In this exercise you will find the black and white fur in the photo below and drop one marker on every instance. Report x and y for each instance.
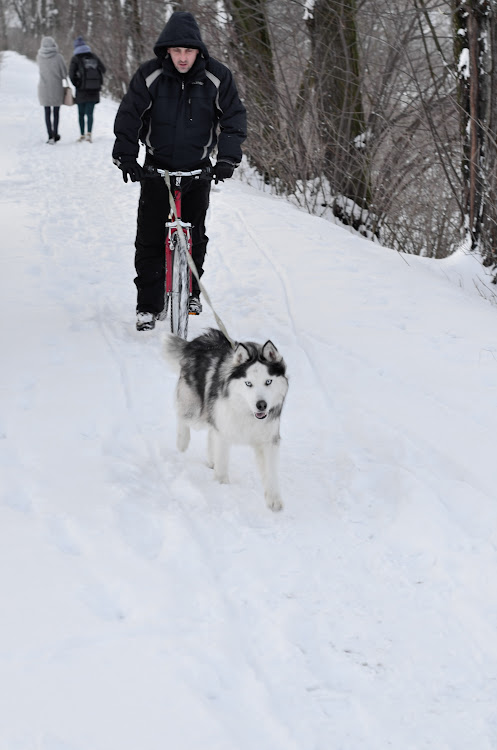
(238, 394)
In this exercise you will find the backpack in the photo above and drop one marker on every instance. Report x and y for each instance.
(91, 78)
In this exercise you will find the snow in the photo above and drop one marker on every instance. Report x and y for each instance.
(146, 606)
(463, 65)
(308, 6)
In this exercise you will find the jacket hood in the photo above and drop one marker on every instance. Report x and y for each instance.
(48, 47)
(180, 31)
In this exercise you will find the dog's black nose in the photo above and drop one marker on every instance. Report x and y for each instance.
(261, 405)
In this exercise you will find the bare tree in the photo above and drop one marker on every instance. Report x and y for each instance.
(251, 45)
(476, 54)
(3, 26)
(336, 84)
(412, 124)
(356, 107)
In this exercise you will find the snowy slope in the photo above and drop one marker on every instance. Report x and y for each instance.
(145, 606)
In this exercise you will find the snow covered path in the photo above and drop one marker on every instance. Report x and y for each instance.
(145, 606)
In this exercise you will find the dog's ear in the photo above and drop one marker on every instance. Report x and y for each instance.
(240, 355)
(270, 352)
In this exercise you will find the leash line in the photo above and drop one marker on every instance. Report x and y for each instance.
(191, 262)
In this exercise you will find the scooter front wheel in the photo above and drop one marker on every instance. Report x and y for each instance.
(180, 292)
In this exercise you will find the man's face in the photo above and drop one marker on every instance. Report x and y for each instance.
(183, 57)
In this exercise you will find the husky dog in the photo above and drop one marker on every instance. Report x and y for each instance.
(238, 394)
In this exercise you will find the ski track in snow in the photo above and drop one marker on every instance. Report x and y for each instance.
(148, 606)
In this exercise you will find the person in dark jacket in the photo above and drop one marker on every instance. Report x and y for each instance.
(86, 71)
(180, 105)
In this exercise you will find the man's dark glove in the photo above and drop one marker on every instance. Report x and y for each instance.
(223, 170)
(132, 170)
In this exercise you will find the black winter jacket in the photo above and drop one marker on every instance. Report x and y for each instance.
(180, 117)
(76, 76)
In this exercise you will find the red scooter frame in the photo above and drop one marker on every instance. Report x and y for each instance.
(172, 227)
(178, 277)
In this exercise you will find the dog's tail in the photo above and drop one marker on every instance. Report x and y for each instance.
(174, 348)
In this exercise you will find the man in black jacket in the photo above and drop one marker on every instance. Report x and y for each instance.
(180, 105)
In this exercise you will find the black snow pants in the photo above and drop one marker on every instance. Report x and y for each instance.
(153, 212)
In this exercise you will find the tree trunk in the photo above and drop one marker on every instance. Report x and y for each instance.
(3, 26)
(475, 55)
(337, 83)
(134, 30)
(489, 209)
(254, 56)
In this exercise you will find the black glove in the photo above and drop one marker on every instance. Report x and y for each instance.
(223, 170)
(132, 170)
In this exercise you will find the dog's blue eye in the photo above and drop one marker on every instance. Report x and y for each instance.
(248, 384)
(268, 382)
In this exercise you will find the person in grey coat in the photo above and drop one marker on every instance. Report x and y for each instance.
(50, 87)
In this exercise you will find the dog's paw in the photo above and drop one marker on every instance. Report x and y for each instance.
(182, 445)
(222, 478)
(274, 502)
(183, 439)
